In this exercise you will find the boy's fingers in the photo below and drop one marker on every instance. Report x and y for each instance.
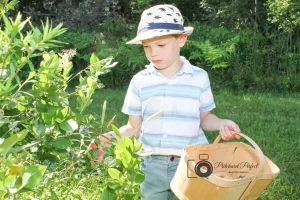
(92, 162)
(92, 145)
(236, 128)
(237, 136)
(105, 137)
(227, 133)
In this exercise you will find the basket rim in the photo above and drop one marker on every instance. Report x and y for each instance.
(223, 182)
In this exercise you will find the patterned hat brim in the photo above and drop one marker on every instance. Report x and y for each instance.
(157, 33)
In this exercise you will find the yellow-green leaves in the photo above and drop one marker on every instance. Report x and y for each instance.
(11, 141)
(114, 173)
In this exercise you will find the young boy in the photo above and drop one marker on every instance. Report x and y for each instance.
(172, 84)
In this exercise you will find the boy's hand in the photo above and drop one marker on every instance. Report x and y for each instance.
(229, 130)
(103, 139)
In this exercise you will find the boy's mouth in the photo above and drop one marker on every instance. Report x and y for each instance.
(156, 61)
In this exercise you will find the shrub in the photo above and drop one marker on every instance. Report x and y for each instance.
(36, 116)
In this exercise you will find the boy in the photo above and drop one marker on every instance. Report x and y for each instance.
(172, 84)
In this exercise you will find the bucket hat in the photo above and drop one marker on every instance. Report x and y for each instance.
(158, 21)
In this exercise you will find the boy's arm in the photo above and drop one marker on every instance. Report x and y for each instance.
(227, 128)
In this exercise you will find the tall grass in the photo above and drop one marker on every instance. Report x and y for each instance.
(270, 119)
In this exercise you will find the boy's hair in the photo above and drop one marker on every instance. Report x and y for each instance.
(158, 21)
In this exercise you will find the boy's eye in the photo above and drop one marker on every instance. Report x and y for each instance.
(145, 46)
(161, 45)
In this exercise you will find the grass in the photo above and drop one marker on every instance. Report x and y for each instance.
(270, 119)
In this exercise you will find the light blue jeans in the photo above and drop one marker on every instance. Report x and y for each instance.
(159, 171)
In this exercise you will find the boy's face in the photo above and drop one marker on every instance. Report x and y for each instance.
(164, 51)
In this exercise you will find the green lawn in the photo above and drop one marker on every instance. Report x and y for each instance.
(271, 120)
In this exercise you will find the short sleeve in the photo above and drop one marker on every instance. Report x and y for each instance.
(206, 98)
(132, 103)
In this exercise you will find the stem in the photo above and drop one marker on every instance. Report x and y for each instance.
(3, 107)
(20, 87)
(13, 116)
(77, 74)
(72, 93)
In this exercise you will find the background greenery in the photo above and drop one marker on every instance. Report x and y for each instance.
(242, 44)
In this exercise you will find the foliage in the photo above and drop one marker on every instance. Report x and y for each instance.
(122, 164)
(252, 59)
(285, 14)
(215, 56)
(83, 15)
(14, 176)
(266, 51)
(36, 114)
(131, 58)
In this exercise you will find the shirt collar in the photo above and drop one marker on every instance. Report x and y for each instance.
(186, 68)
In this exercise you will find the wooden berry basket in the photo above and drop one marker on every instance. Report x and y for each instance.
(238, 171)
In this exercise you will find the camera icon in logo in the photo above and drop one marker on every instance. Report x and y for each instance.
(203, 168)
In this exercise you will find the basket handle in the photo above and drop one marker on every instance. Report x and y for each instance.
(261, 161)
(256, 147)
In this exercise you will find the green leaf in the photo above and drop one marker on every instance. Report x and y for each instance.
(3, 121)
(62, 143)
(108, 194)
(37, 175)
(124, 156)
(11, 141)
(15, 150)
(8, 25)
(53, 195)
(115, 185)
(61, 114)
(25, 179)
(139, 176)
(93, 59)
(114, 173)
(138, 146)
(65, 126)
(116, 130)
(10, 180)
(131, 196)
(11, 5)
(125, 143)
(20, 107)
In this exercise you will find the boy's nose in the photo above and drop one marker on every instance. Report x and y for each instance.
(153, 52)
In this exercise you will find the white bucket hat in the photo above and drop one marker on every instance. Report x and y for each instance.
(158, 21)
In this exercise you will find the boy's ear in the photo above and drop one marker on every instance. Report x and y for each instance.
(182, 40)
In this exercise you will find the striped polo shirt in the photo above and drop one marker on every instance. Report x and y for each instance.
(182, 98)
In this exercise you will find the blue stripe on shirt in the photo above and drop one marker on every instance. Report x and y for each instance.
(207, 107)
(132, 110)
(135, 90)
(183, 91)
